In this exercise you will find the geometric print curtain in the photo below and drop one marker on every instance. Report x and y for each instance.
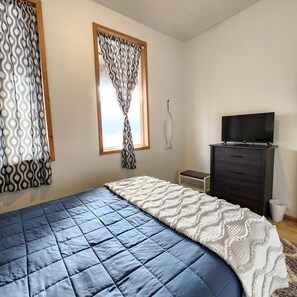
(24, 154)
(122, 58)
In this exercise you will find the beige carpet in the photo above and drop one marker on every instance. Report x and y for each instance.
(290, 251)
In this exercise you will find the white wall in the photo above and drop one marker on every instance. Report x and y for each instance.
(70, 60)
(246, 64)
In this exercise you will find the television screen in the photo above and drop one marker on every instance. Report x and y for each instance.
(248, 128)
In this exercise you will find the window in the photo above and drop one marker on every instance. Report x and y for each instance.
(110, 117)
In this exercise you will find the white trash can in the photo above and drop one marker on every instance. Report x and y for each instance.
(277, 210)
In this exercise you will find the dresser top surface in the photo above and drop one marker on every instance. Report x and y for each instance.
(244, 146)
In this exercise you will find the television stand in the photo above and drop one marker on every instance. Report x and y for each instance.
(243, 174)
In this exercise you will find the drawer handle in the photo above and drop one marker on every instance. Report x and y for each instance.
(236, 156)
(237, 172)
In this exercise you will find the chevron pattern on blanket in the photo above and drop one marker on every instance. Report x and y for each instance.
(290, 251)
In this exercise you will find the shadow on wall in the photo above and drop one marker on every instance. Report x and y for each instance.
(285, 167)
(28, 196)
(285, 178)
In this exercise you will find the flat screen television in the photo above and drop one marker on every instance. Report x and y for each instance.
(255, 128)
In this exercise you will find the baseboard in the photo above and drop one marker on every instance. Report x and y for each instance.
(289, 218)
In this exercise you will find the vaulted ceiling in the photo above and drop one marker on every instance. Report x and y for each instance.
(180, 19)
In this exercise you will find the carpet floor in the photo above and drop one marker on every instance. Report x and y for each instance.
(290, 251)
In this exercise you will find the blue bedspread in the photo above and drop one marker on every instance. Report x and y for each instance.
(97, 244)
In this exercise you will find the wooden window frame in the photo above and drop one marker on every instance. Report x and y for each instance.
(144, 88)
(37, 4)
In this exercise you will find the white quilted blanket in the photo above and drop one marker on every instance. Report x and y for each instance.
(246, 241)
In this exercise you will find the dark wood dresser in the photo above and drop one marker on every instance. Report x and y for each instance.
(243, 174)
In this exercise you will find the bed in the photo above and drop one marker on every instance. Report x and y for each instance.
(97, 243)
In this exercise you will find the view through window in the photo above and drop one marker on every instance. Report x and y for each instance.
(110, 116)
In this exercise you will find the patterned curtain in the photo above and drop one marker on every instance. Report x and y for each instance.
(122, 60)
(24, 153)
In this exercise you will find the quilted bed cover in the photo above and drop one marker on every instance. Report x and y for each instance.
(98, 244)
(246, 241)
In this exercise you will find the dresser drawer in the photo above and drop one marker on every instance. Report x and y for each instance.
(247, 173)
(249, 157)
(245, 165)
(222, 193)
(246, 190)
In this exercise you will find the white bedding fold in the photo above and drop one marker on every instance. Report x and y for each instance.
(246, 241)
